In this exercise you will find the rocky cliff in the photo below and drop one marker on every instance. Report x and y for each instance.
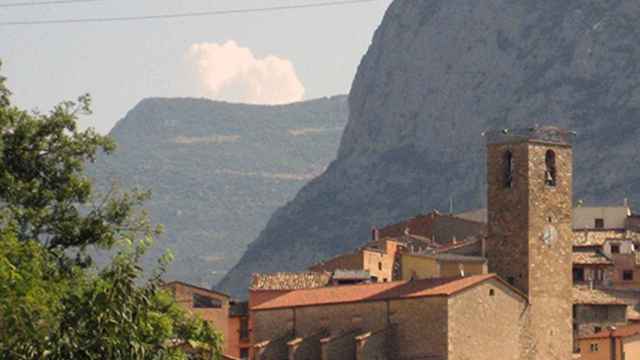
(217, 171)
(437, 74)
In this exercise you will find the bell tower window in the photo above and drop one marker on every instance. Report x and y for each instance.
(550, 173)
(508, 169)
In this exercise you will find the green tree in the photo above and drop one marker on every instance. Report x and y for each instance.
(54, 304)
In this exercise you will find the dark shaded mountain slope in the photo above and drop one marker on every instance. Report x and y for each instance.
(439, 73)
(217, 171)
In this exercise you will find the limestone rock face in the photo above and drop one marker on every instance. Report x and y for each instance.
(440, 72)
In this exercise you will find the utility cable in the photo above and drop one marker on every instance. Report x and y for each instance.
(184, 15)
(49, 2)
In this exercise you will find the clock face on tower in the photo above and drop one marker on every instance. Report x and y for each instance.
(549, 235)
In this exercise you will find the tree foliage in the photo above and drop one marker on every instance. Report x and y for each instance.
(53, 303)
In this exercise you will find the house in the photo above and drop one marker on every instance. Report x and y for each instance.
(614, 343)
(210, 305)
(376, 258)
(595, 310)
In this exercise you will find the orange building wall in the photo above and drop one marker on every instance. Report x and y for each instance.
(234, 342)
(217, 317)
(604, 349)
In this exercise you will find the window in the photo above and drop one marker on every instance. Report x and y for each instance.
(615, 249)
(203, 302)
(597, 329)
(578, 274)
(244, 353)
(379, 266)
(492, 292)
(599, 223)
(244, 328)
(627, 275)
(594, 348)
(508, 169)
(550, 173)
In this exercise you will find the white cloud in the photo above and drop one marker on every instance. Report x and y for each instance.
(233, 73)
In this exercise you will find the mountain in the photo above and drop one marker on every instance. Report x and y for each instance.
(218, 170)
(437, 74)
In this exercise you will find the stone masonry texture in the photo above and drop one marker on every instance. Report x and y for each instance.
(519, 216)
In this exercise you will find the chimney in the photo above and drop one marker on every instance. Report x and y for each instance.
(483, 247)
(375, 234)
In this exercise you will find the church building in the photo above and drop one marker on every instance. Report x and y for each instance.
(521, 310)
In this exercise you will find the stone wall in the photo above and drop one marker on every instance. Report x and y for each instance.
(375, 345)
(486, 321)
(307, 348)
(421, 327)
(550, 274)
(275, 327)
(340, 346)
(339, 318)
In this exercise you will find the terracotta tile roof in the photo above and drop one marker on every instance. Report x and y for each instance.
(592, 257)
(618, 332)
(595, 237)
(440, 227)
(263, 300)
(583, 295)
(289, 281)
(457, 245)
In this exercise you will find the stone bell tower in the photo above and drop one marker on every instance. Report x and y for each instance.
(529, 243)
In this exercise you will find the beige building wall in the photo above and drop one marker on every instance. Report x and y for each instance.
(421, 266)
(613, 217)
(452, 268)
(379, 264)
(631, 347)
(485, 323)
(425, 267)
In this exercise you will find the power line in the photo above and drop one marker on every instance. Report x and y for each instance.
(49, 2)
(184, 15)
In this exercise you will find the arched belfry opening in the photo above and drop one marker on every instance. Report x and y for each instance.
(508, 169)
(550, 173)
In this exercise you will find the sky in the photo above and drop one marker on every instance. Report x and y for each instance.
(262, 58)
